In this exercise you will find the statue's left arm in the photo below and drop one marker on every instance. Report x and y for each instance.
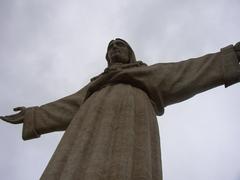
(179, 81)
(169, 83)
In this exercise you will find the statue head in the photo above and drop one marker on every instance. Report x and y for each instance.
(119, 51)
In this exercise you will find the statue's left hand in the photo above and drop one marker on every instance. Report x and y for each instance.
(15, 118)
(237, 49)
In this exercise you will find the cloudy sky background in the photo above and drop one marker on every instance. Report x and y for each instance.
(50, 49)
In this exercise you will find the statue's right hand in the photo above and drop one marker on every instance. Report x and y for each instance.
(15, 118)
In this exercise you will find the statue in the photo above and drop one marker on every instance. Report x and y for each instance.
(111, 130)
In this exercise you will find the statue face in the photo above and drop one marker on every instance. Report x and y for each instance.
(118, 52)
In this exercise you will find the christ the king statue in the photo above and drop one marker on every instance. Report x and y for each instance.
(111, 129)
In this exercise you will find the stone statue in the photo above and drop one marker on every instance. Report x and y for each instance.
(111, 130)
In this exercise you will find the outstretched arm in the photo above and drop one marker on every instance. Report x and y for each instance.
(54, 116)
(169, 83)
(182, 80)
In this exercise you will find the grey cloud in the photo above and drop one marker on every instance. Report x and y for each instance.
(51, 49)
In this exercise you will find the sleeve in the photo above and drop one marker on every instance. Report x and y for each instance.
(169, 83)
(176, 82)
(54, 116)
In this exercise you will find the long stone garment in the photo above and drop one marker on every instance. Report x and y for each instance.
(111, 126)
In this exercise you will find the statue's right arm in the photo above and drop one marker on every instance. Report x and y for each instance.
(50, 117)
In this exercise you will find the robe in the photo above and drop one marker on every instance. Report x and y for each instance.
(111, 129)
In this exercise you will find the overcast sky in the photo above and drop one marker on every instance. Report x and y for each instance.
(50, 49)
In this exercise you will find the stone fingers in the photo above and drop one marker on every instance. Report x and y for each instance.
(14, 119)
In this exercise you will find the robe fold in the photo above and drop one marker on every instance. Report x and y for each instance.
(111, 129)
